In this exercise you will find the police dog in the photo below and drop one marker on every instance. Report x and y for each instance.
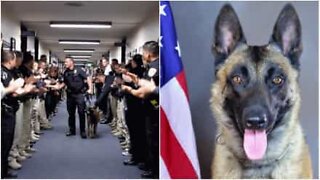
(256, 101)
(92, 117)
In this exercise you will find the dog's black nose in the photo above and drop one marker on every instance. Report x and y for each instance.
(255, 118)
(256, 122)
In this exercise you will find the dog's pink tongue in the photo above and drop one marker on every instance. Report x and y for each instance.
(255, 143)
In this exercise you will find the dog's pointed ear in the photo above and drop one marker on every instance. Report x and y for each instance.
(287, 34)
(228, 34)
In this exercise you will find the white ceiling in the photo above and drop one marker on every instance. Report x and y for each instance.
(125, 18)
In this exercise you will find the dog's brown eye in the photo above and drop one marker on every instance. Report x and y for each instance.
(277, 80)
(237, 79)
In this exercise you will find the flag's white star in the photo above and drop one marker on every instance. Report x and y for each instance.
(178, 49)
(160, 44)
(162, 11)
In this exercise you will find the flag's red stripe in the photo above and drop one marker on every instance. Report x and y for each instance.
(182, 81)
(176, 160)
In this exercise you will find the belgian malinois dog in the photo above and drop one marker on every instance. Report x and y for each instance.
(256, 101)
(93, 118)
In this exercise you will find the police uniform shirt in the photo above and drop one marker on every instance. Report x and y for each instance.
(153, 71)
(26, 73)
(17, 73)
(6, 78)
(74, 79)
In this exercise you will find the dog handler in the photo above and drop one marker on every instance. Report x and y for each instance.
(74, 79)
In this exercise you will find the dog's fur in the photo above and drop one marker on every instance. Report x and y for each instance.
(93, 118)
(287, 154)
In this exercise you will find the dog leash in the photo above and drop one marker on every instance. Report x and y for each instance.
(88, 99)
(284, 152)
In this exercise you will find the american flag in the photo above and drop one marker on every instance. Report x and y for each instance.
(178, 152)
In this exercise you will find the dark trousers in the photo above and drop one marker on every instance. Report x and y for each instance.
(8, 121)
(107, 113)
(135, 120)
(51, 102)
(76, 101)
(103, 106)
(152, 133)
(98, 89)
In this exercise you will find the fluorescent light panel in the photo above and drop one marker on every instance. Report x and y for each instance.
(84, 42)
(80, 59)
(79, 50)
(80, 24)
(80, 56)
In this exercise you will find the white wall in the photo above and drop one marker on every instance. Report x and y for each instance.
(43, 50)
(147, 31)
(30, 44)
(10, 27)
(115, 53)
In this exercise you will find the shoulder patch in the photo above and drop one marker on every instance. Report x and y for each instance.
(152, 72)
(4, 75)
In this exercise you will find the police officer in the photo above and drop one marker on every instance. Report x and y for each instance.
(151, 57)
(135, 116)
(151, 105)
(99, 84)
(75, 79)
(9, 107)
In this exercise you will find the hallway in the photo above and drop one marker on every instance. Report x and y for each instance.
(62, 157)
(90, 32)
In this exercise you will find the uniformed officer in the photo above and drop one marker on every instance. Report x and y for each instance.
(75, 79)
(9, 107)
(151, 57)
(99, 84)
(151, 100)
(135, 116)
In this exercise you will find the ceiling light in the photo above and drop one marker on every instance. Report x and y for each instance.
(79, 50)
(81, 59)
(80, 24)
(84, 42)
(80, 56)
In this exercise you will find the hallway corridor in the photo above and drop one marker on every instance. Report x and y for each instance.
(62, 157)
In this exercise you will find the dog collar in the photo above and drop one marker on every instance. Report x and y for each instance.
(219, 139)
